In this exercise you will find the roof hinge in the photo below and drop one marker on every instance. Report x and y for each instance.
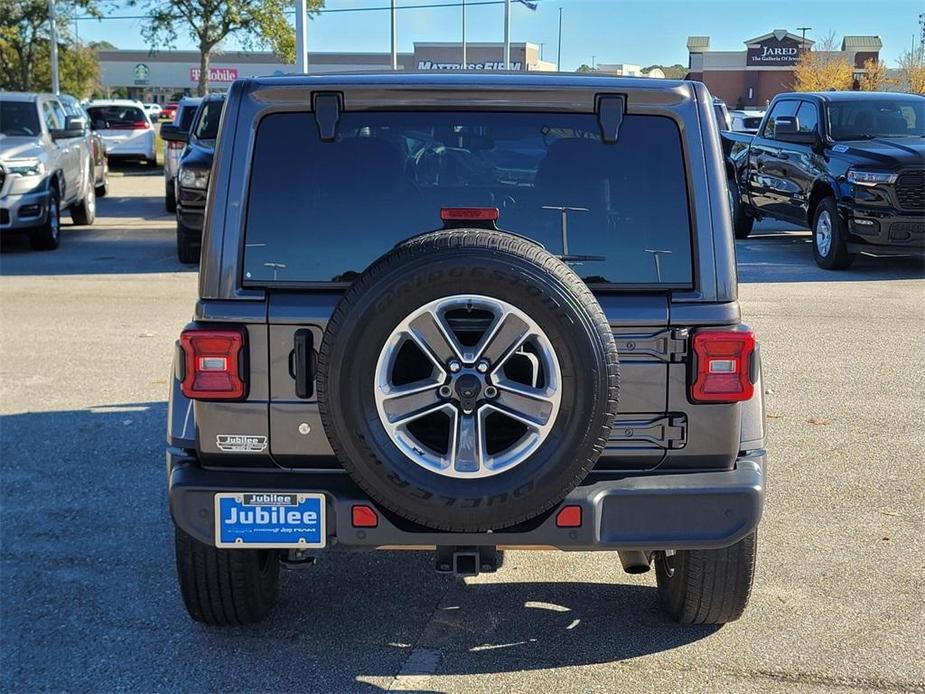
(327, 107)
(610, 108)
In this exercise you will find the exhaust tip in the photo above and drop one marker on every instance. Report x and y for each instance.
(635, 562)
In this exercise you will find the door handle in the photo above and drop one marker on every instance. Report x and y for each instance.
(303, 363)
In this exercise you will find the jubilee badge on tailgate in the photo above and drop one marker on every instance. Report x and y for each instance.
(263, 520)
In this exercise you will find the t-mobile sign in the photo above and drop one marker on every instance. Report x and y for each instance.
(216, 74)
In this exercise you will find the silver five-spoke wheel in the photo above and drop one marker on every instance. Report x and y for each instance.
(468, 386)
(824, 233)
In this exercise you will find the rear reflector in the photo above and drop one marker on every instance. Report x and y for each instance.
(723, 360)
(212, 361)
(569, 517)
(469, 214)
(363, 517)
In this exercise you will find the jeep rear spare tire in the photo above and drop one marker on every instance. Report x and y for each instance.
(468, 380)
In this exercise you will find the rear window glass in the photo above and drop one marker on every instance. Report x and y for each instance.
(115, 117)
(321, 212)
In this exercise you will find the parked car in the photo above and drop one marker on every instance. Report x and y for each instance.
(192, 180)
(723, 119)
(417, 297)
(745, 120)
(125, 128)
(153, 111)
(173, 148)
(169, 111)
(45, 164)
(849, 165)
(98, 158)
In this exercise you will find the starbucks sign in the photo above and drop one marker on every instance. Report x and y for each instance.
(141, 73)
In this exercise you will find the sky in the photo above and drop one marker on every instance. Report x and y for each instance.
(643, 32)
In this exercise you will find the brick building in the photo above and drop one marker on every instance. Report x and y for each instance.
(765, 68)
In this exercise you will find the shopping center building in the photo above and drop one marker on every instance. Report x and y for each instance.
(161, 76)
(752, 77)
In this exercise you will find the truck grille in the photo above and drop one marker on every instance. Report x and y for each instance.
(910, 190)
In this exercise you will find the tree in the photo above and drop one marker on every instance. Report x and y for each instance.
(875, 76)
(209, 22)
(912, 71)
(823, 68)
(24, 37)
(586, 68)
(672, 72)
(78, 70)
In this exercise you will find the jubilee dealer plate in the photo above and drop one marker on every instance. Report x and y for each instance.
(269, 520)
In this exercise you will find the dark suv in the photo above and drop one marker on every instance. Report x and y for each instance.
(458, 313)
(191, 182)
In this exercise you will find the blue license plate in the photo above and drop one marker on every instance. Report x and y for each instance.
(269, 520)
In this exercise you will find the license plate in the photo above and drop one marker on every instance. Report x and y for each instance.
(269, 520)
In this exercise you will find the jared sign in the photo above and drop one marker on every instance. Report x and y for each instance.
(216, 74)
(774, 52)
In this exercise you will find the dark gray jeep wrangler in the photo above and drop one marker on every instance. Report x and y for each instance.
(462, 313)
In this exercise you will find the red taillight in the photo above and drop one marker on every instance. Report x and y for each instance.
(212, 364)
(569, 517)
(469, 214)
(723, 362)
(140, 125)
(362, 516)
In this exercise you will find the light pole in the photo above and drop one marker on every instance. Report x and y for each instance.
(804, 30)
(301, 37)
(559, 51)
(507, 34)
(394, 47)
(53, 46)
(465, 59)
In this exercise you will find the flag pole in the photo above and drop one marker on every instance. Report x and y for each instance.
(507, 34)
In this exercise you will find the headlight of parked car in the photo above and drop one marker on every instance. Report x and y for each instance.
(25, 167)
(194, 178)
(870, 178)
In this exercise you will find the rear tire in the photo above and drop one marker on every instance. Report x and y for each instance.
(188, 246)
(226, 587)
(830, 237)
(742, 222)
(48, 236)
(151, 162)
(102, 190)
(707, 586)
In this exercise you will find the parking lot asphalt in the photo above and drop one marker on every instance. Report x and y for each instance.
(89, 600)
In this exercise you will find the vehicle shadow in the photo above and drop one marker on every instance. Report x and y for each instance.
(787, 256)
(88, 556)
(128, 167)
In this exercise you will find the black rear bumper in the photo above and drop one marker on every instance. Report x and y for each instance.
(649, 511)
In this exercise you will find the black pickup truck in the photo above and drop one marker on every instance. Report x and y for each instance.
(849, 165)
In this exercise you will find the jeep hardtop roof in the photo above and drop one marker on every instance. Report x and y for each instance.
(250, 100)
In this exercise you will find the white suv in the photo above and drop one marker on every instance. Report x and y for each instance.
(125, 128)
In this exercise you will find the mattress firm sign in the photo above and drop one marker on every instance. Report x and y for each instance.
(216, 74)
(489, 65)
(774, 52)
